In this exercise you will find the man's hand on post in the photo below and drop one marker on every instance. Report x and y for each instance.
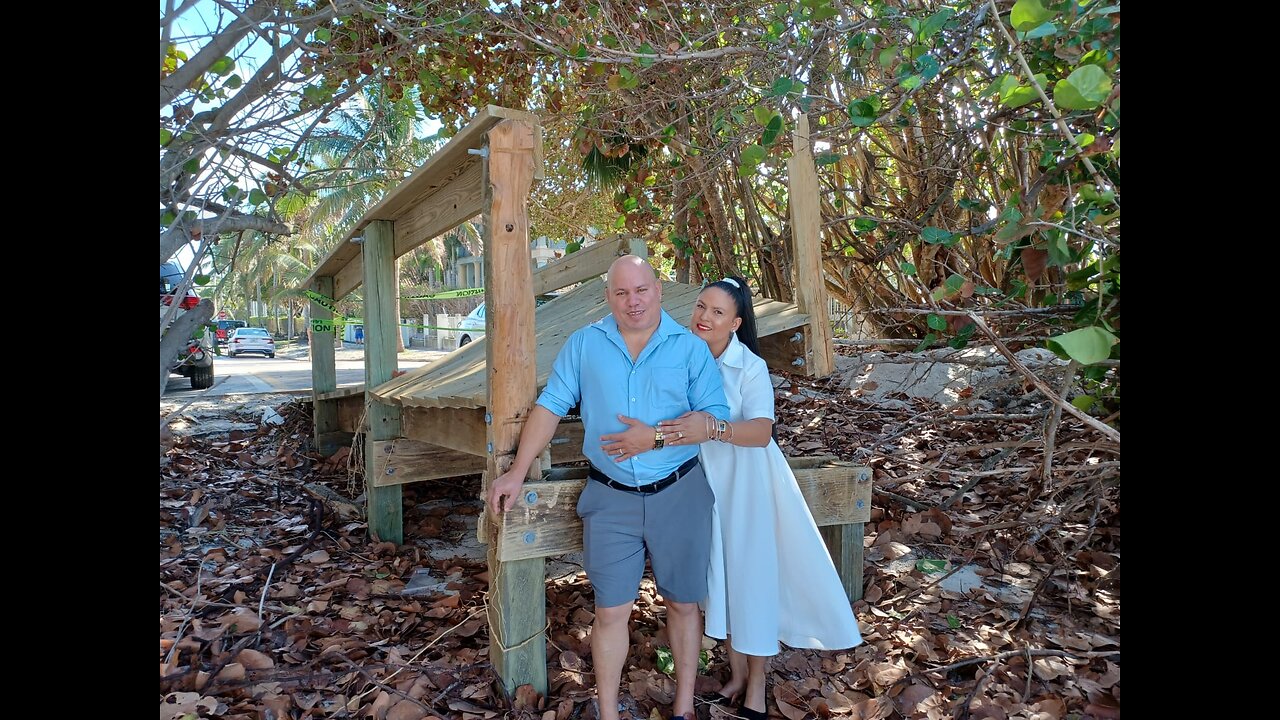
(503, 491)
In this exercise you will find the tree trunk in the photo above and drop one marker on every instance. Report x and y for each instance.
(721, 244)
(681, 236)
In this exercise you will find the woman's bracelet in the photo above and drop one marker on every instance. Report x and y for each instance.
(717, 429)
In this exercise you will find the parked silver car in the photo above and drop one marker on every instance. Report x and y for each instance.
(471, 327)
(251, 340)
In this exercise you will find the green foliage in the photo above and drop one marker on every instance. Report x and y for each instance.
(863, 113)
(752, 155)
(1086, 346)
(931, 567)
(677, 127)
(665, 661)
(1028, 15)
(938, 236)
(1084, 89)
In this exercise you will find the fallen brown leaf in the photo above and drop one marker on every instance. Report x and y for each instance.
(526, 698)
(406, 710)
(254, 660)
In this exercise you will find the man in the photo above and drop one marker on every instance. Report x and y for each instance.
(639, 363)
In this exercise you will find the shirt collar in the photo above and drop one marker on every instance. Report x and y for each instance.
(667, 326)
(735, 354)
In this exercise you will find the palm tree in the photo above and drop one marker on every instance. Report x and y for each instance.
(375, 146)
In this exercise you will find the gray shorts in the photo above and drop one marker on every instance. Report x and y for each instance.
(673, 526)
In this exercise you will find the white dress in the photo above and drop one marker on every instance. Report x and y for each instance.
(771, 578)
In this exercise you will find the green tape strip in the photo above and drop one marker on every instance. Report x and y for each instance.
(446, 295)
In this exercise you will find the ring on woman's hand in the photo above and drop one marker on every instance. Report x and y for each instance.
(680, 435)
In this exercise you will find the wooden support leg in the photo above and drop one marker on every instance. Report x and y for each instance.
(329, 437)
(517, 589)
(517, 618)
(386, 514)
(844, 542)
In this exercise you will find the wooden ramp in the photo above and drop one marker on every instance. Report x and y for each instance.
(446, 420)
(458, 380)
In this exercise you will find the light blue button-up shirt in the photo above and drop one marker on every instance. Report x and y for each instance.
(674, 374)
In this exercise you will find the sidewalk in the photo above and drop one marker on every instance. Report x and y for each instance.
(352, 351)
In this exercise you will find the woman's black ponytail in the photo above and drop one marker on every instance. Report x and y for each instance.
(741, 294)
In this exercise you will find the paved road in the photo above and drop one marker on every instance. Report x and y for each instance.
(252, 374)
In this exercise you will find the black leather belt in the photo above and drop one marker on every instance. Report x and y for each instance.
(651, 488)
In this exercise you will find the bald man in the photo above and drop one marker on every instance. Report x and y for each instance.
(636, 363)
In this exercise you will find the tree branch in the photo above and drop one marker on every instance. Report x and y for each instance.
(1043, 387)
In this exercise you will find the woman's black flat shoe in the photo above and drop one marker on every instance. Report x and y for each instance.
(715, 698)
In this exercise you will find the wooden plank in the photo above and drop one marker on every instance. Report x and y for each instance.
(545, 521)
(324, 373)
(458, 379)
(461, 429)
(348, 278)
(421, 461)
(517, 594)
(781, 320)
(351, 414)
(442, 163)
(583, 265)
(447, 207)
(835, 494)
(782, 351)
(566, 444)
(399, 462)
(330, 443)
(385, 511)
(342, 392)
(458, 200)
(806, 235)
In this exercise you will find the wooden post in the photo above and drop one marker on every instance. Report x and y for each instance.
(844, 542)
(806, 239)
(517, 601)
(381, 320)
(324, 374)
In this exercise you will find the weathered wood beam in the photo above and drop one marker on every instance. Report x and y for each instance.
(517, 591)
(545, 521)
(806, 235)
(381, 322)
(324, 373)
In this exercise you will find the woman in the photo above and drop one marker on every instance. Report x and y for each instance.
(771, 578)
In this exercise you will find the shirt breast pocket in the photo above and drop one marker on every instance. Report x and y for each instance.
(669, 391)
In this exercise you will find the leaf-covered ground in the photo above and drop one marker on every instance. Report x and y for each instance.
(992, 588)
